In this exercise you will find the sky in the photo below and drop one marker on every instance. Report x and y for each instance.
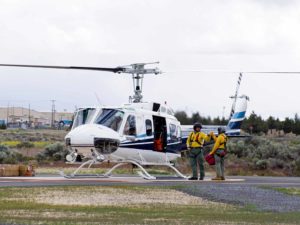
(185, 36)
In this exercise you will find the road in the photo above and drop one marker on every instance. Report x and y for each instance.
(51, 180)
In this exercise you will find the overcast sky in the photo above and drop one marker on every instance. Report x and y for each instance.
(235, 35)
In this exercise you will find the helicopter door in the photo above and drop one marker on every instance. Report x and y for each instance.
(160, 134)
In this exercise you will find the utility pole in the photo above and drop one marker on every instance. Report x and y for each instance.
(13, 113)
(7, 114)
(29, 124)
(223, 116)
(53, 113)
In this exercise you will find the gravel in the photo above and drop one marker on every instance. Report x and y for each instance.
(264, 199)
(113, 196)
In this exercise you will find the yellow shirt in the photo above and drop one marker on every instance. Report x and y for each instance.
(200, 136)
(220, 143)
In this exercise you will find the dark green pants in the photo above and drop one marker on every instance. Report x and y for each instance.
(196, 156)
(219, 165)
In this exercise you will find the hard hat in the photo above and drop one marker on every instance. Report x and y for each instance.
(197, 125)
(221, 130)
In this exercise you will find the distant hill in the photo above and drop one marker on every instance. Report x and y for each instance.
(20, 114)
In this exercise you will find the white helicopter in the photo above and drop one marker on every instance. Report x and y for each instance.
(139, 133)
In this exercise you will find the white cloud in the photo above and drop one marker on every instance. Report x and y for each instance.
(183, 35)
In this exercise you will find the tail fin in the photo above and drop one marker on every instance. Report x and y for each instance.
(235, 122)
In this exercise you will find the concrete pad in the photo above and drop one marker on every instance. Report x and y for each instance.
(127, 179)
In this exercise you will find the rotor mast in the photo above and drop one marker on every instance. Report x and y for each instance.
(138, 71)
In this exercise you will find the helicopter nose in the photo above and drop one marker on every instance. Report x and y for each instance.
(93, 137)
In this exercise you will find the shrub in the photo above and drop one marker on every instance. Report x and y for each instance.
(261, 164)
(9, 156)
(297, 167)
(25, 144)
(3, 156)
(56, 152)
(40, 156)
(276, 163)
(236, 148)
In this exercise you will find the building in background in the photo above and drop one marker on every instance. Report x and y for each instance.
(19, 117)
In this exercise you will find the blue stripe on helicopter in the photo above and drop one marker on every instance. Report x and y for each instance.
(235, 125)
(238, 115)
(173, 146)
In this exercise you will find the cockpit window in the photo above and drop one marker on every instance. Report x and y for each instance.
(83, 116)
(111, 118)
(130, 126)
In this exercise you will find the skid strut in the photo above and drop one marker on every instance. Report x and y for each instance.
(75, 175)
(143, 173)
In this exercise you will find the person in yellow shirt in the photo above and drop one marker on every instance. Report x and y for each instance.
(195, 143)
(219, 151)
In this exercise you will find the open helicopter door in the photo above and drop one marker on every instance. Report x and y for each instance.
(160, 133)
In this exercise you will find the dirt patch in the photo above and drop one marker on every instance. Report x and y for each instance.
(106, 196)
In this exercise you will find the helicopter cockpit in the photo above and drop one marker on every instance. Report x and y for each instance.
(83, 116)
(111, 118)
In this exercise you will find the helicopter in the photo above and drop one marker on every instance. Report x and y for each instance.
(139, 133)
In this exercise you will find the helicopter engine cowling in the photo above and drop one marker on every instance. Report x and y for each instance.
(92, 140)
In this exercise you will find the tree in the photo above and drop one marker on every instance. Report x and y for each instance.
(182, 117)
(278, 124)
(296, 125)
(196, 118)
(287, 125)
(255, 124)
(271, 123)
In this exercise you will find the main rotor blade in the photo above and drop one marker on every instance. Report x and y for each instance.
(231, 71)
(114, 70)
(280, 72)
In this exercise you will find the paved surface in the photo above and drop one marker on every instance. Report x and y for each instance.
(262, 198)
(162, 180)
(254, 191)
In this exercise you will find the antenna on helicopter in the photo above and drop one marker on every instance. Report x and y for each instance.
(235, 97)
(137, 71)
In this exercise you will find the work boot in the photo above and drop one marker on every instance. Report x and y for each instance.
(201, 178)
(216, 178)
(193, 178)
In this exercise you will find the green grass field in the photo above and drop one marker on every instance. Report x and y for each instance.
(124, 205)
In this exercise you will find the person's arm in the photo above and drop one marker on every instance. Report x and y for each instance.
(188, 141)
(219, 140)
(206, 138)
(212, 134)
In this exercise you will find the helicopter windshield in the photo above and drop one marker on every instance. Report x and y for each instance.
(110, 118)
(83, 116)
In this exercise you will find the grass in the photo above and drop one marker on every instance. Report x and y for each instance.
(36, 144)
(11, 144)
(17, 206)
(289, 191)
(52, 170)
(286, 190)
(41, 144)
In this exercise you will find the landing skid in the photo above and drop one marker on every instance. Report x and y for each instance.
(143, 173)
(76, 175)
